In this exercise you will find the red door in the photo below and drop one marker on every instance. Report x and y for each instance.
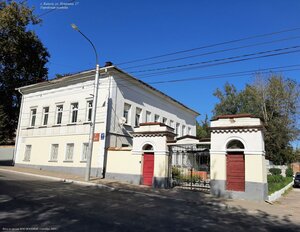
(235, 172)
(148, 168)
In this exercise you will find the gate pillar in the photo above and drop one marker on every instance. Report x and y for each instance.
(237, 157)
(151, 138)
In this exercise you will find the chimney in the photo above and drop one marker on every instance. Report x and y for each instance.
(108, 63)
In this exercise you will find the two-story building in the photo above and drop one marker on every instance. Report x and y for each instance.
(55, 117)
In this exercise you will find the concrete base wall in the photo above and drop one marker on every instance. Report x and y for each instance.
(130, 178)
(253, 190)
(158, 182)
(161, 182)
(80, 171)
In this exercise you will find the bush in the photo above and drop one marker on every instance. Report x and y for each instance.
(275, 171)
(176, 173)
(289, 172)
(277, 182)
(275, 178)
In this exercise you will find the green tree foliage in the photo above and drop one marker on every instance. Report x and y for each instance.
(202, 128)
(275, 99)
(22, 61)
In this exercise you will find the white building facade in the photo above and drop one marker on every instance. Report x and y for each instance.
(55, 117)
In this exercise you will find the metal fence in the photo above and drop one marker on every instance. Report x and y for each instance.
(190, 167)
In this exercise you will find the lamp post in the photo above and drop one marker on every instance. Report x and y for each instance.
(94, 109)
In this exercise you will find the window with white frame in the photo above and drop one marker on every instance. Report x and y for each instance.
(138, 112)
(156, 118)
(54, 152)
(85, 151)
(172, 124)
(69, 151)
(27, 153)
(33, 116)
(59, 113)
(189, 131)
(89, 110)
(74, 112)
(148, 116)
(164, 120)
(45, 116)
(177, 129)
(183, 130)
(126, 113)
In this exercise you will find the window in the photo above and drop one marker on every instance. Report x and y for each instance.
(69, 151)
(183, 130)
(177, 129)
(45, 116)
(172, 123)
(85, 151)
(156, 118)
(148, 116)
(189, 131)
(27, 153)
(138, 112)
(74, 112)
(164, 120)
(32, 117)
(235, 144)
(59, 113)
(54, 152)
(126, 112)
(89, 111)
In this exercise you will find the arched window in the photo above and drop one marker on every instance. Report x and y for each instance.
(235, 144)
(148, 147)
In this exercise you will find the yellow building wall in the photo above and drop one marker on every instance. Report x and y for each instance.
(41, 151)
(124, 162)
(255, 168)
(160, 165)
(218, 167)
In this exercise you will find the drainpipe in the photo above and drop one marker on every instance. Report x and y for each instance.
(107, 125)
(19, 126)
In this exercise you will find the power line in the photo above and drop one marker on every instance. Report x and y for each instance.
(215, 64)
(213, 52)
(216, 60)
(223, 75)
(211, 45)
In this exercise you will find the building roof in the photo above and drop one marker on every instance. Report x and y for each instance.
(88, 74)
(228, 116)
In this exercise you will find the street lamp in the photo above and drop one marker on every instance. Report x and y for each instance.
(94, 109)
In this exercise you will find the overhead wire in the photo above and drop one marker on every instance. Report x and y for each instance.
(217, 60)
(214, 64)
(212, 52)
(211, 45)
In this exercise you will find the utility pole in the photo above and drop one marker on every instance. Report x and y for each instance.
(94, 109)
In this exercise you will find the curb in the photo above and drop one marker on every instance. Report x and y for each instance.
(78, 182)
(276, 195)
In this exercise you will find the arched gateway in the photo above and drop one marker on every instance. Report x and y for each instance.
(238, 168)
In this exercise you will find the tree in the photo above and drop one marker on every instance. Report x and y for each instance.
(275, 100)
(22, 60)
(202, 130)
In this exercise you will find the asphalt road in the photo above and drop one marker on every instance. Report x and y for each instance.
(30, 203)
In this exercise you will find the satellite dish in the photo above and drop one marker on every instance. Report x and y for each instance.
(122, 121)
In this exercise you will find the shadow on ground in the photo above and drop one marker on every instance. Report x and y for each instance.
(61, 206)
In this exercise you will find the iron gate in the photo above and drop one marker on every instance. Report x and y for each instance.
(190, 167)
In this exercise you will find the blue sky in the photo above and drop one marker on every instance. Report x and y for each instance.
(132, 29)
